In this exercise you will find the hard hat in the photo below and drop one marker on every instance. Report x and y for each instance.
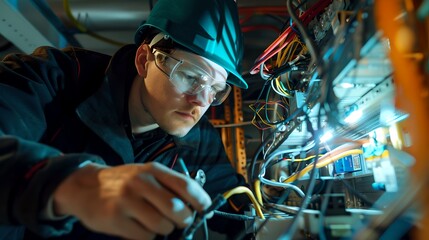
(209, 28)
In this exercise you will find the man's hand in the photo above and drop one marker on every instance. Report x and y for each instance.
(136, 201)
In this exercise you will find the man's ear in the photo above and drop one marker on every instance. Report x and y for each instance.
(143, 55)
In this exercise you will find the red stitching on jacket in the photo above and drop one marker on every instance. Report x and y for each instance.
(35, 168)
(55, 135)
(174, 161)
(163, 149)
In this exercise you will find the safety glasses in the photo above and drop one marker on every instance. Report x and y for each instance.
(191, 79)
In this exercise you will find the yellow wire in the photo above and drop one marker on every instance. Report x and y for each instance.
(302, 159)
(258, 191)
(290, 55)
(83, 29)
(287, 54)
(241, 189)
(293, 43)
(255, 122)
(261, 118)
(279, 59)
(281, 54)
(295, 46)
(322, 163)
(280, 88)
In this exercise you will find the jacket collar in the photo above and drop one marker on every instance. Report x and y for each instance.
(189, 141)
(96, 112)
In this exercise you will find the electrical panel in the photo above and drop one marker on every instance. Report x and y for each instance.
(334, 162)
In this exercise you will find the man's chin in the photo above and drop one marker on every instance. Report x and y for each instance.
(178, 132)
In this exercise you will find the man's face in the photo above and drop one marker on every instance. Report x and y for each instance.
(174, 111)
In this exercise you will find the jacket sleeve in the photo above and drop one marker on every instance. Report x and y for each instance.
(34, 91)
(221, 177)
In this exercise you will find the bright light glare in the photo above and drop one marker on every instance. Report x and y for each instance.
(346, 85)
(328, 135)
(353, 116)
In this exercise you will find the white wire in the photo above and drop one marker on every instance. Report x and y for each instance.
(261, 72)
(283, 185)
(276, 90)
(268, 149)
(272, 157)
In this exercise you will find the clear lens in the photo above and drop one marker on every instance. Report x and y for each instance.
(190, 79)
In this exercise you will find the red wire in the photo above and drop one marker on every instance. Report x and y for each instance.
(270, 52)
(305, 18)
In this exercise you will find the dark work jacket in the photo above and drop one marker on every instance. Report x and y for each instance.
(60, 108)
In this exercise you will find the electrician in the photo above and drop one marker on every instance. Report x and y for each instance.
(89, 143)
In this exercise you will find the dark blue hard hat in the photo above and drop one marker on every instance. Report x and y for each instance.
(209, 28)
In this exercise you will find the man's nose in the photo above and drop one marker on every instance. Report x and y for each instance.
(202, 99)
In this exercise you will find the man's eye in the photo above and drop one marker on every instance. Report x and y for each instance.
(161, 58)
(218, 88)
(192, 78)
(188, 77)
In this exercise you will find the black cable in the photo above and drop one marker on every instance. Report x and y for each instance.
(200, 217)
(266, 83)
(298, 112)
(290, 232)
(323, 209)
(205, 230)
(258, 151)
(234, 216)
(326, 98)
(266, 107)
(356, 193)
(271, 78)
(284, 196)
(333, 58)
(306, 37)
(253, 163)
(322, 93)
(291, 117)
(286, 23)
(261, 146)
